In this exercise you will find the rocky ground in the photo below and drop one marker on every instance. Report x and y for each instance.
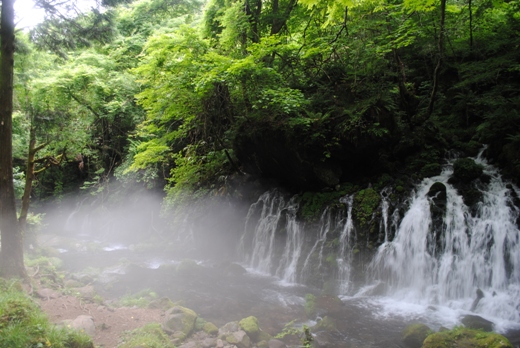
(83, 310)
(103, 323)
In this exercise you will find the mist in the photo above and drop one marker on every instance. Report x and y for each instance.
(231, 258)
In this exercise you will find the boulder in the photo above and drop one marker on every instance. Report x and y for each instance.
(210, 328)
(239, 339)
(250, 326)
(463, 337)
(415, 334)
(466, 170)
(274, 343)
(84, 323)
(325, 324)
(228, 329)
(476, 322)
(179, 319)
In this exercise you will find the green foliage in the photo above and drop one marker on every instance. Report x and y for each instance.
(365, 203)
(141, 299)
(151, 336)
(467, 170)
(303, 333)
(313, 203)
(463, 337)
(23, 324)
(160, 92)
(310, 305)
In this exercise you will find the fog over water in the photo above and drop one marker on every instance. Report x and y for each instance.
(228, 259)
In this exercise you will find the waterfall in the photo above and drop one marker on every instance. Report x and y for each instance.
(345, 248)
(271, 252)
(293, 245)
(479, 251)
(326, 221)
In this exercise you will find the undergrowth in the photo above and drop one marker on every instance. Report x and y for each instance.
(23, 324)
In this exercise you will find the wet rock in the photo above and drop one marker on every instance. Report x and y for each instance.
(228, 329)
(232, 269)
(475, 303)
(210, 328)
(415, 334)
(274, 343)
(250, 326)
(469, 179)
(179, 319)
(322, 340)
(438, 193)
(239, 339)
(209, 342)
(476, 322)
(325, 324)
(466, 170)
(328, 304)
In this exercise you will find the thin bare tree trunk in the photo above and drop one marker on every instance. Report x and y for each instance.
(11, 251)
(439, 61)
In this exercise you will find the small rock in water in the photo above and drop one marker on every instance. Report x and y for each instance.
(480, 295)
(476, 322)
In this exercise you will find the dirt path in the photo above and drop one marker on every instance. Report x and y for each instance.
(110, 323)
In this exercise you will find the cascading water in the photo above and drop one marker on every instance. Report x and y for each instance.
(345, 248)
(479, 251)
(326, 224)
(272, 254)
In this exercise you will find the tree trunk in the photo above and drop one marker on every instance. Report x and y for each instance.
(279, 18)
(439, 61)
(29, 179)
(11, 251)
(470, 9)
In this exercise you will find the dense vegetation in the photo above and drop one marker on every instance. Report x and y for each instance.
(312, 94)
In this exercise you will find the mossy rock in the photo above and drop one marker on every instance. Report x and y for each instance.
(431, 169)
(210, 328)
(414, 335)
(250, 326)
(179, 319)
(477, 322)
(466, 170)
(365, 203)
(199, 323)
(263, 336)
(465, 338)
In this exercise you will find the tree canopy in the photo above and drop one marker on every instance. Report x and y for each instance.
(188, 95)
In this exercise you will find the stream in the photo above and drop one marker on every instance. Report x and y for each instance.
(227, 264)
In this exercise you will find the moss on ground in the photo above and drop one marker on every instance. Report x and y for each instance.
(150, 336)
